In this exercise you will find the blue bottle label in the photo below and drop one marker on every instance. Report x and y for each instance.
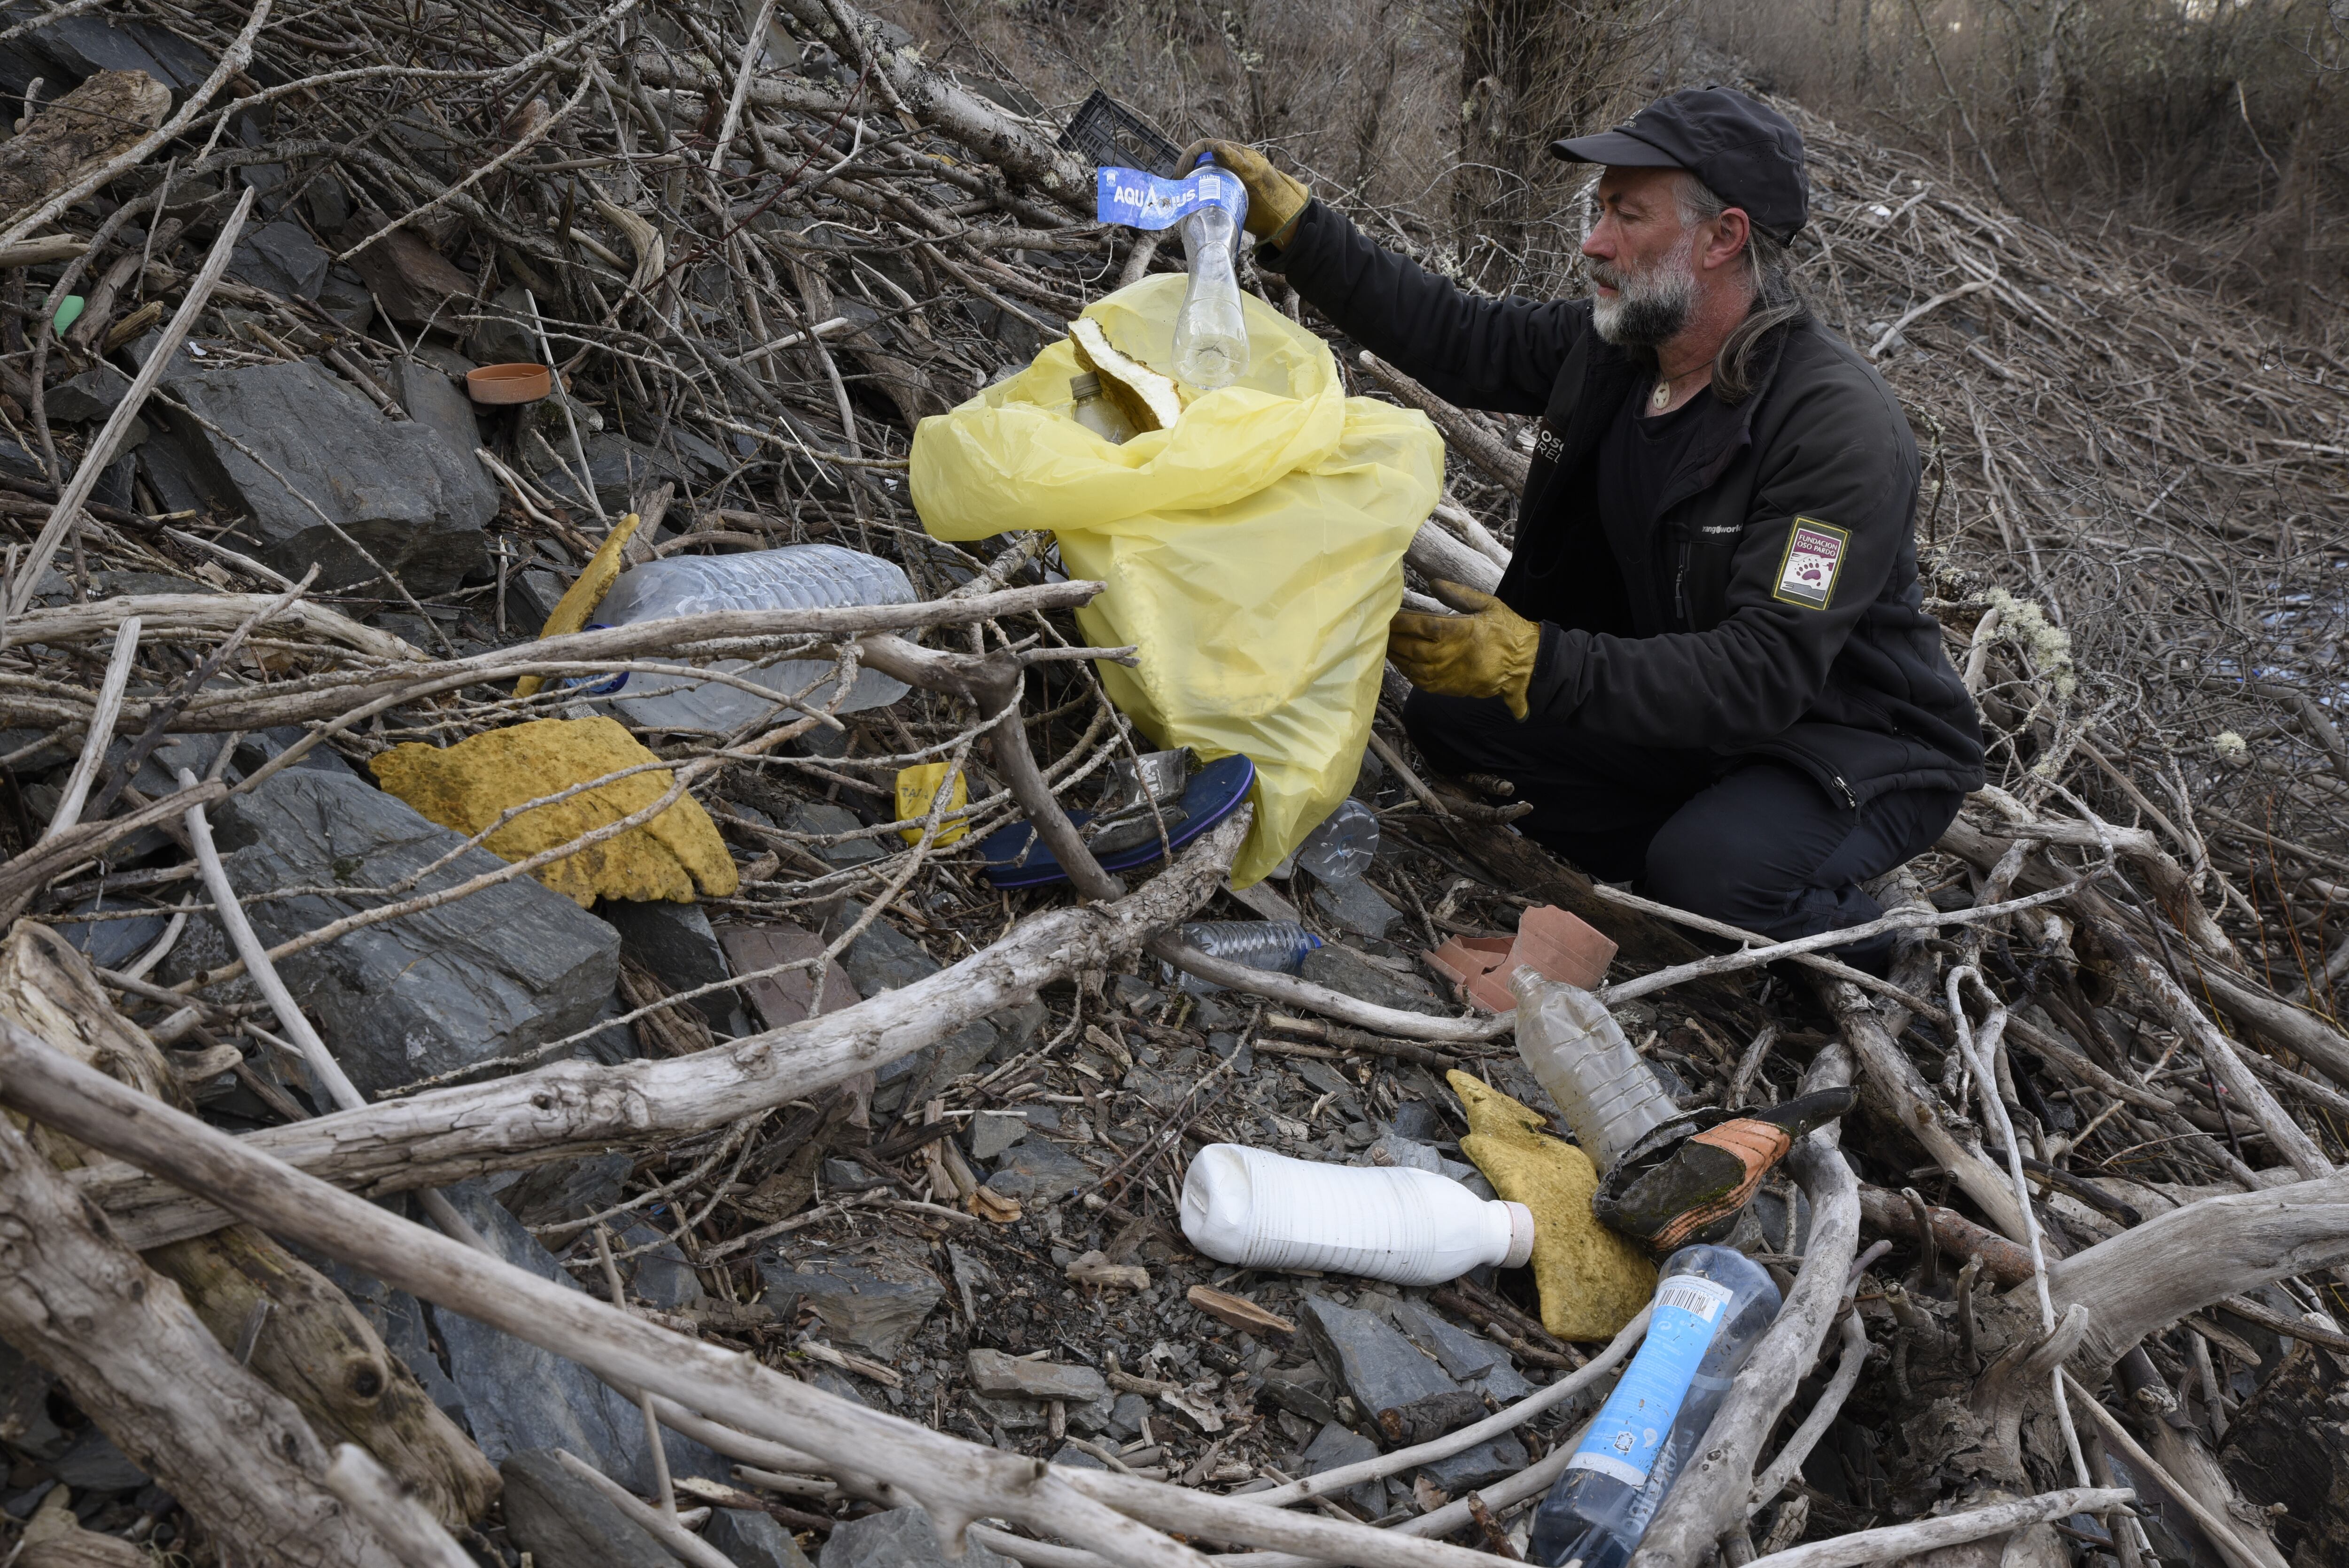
(1631, 1426)
(1141, 200)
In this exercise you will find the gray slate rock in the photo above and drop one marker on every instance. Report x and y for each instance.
(751, 1540)
(1471, 1357)
(1125, 1415)
(900, 1538)
(994, 1372)
(508, 968)
(397, 489)
(1303, 1391)
(1054, 1172)
(112, 944)
(872, 1304)
(1487, 1462)
(503, 335)
(282, 258)
(1342, 969)
(1012, 1415)
(991, 1131)
(674, 941)
(883, 959)
(621, 471)
(565, 1522)
(564, 1190)
(1089, 1420)
(1334, 1446)
(94, 1464)
(439, 404)
(662, 1276)
(1369, 1358)
(89, 397)
(519, 1398)
(1353, 907)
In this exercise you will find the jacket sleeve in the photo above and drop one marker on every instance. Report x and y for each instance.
(1498, 354)
(1841, 467)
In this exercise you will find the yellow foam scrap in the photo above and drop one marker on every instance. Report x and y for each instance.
(1150, 401)
(918, 786)
(1592, 1281)
(579, 599)
(467, 786)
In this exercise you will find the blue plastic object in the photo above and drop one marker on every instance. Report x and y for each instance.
(1015, 857)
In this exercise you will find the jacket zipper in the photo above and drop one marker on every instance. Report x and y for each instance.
(1850, 798)
(1680, 587)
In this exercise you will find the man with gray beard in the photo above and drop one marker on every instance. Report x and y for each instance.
(1708, 667)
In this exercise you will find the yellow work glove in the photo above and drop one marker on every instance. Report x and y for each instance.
(1486, 652)
(1275, 198)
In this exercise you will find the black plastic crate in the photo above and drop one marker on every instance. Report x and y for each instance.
(1113, 136)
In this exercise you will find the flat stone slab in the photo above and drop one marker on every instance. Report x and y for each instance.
(488, 974)
(994, 1372)
(1372, 1361)
(900, 1538)
(396, 486)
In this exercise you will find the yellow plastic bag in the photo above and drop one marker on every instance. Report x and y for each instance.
(1253, 553)
(918, 786)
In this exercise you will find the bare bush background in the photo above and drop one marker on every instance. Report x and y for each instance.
(2216, 132)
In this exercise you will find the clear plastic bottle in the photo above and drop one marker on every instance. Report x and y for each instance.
(794, 577)
(1097, 413)
(1710, 1308)
(1211, 343)
(1577, 1052)
(1342, 848)
(1261, 1210)
(1275, 946)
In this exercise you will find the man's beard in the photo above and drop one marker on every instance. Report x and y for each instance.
(1649, 307)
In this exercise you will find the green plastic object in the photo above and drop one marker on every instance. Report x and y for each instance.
(68, 313)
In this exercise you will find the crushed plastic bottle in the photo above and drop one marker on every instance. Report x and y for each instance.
(1275, 946)
(1710, 1307)
(1342, 848)
(1260, 1209)
(1576, 1050)
(1097, 413)
(1211, 345)
(794, 577)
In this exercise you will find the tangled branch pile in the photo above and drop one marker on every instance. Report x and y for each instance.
(258, 539)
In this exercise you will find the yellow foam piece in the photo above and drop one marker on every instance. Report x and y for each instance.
(918, 786)
(579, 599)
(1592, 1281)
(467, 786)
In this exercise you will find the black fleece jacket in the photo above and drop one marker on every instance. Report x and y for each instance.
(1773, 609)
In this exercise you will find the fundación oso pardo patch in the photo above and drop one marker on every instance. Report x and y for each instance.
(1814, 555)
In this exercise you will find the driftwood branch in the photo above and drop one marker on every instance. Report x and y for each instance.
(143, 1366)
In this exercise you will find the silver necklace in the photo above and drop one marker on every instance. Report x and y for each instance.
(1662, 398)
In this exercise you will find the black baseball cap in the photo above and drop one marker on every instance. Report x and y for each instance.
(1747, 153)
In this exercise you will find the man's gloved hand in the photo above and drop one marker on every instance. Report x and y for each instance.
(1275, 198)
(1488, 651)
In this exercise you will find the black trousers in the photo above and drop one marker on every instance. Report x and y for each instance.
(1762, 846)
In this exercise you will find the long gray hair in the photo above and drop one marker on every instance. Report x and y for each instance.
(1776, 300)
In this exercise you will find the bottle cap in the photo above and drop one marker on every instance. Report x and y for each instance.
(1084, 387)
(1521, 1235)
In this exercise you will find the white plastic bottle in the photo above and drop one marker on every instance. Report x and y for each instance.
(1577, 1052)
(1342, 848)
(794, 577)
(1097, 413)
(1211, 345)
(1248, 1206)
